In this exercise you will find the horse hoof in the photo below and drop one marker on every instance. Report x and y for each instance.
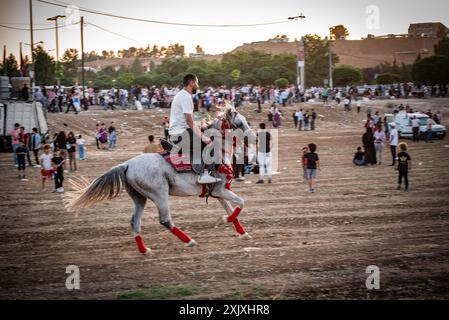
(145, 251)
(246, 236)
(220, 221)
(192, 243)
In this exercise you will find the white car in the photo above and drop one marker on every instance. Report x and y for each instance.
(404, 125)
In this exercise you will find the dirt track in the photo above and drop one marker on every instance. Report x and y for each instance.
(305, 245)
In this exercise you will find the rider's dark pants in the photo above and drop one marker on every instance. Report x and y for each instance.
(198, 165)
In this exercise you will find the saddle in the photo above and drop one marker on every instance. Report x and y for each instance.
(179, 162)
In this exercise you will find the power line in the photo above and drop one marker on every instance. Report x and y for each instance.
(38, 29)
(25, 29)
(25, 24)
(112, 32)
(64, 5)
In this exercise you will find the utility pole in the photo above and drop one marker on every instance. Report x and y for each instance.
(331, 81)
(33, 83)
(82, 53)
(301, 64)
(55, 19)
(300, 79)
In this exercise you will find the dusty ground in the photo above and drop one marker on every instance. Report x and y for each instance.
(305, 245)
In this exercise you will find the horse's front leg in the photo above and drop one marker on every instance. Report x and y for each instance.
(237, 225)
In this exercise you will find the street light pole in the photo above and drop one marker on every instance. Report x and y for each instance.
(300, 68)
(55, 19)
(82, 53)
(32, 48)
(331, 81)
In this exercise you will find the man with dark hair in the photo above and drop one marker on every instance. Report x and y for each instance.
(151, 147)
(264, 145)
(183, 127)
(15, 142)
(35, 145)
(313, 163)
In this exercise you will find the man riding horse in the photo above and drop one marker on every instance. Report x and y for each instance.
(183, 128)
(152, 176)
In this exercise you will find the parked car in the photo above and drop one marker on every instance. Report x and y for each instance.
(403, 122)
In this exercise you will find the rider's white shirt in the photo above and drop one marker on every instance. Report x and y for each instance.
(182, 103)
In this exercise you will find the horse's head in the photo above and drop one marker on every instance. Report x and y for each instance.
(237, 121)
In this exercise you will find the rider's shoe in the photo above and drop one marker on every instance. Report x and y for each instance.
(206, 178)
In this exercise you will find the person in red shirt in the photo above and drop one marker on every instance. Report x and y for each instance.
(25, 138)
(304, 163)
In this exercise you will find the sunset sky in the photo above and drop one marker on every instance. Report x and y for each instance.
(394, 17)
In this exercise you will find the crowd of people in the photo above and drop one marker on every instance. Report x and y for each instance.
(145, 97)
(379, 132)
(53, 159)
(106, 138)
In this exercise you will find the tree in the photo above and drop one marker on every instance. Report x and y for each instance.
(346, 76)
(137, 68)
(155, 51)
(281, 83)
(11, 66)
(339, 32)
(405, 72)
(199, 49)
(388, 78)
(432, 70)
(125, 80)
(69, 63)
(442, 47)
(280, 37)
(44, 67)
(108, 54)
(92, 56)
(235, 74)
(175, 50)
(317, 60)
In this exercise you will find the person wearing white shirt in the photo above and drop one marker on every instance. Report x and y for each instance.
(81, 148)
(415, 128)
(300, 119)
(394, 140)
(379, 140)
(183, 127)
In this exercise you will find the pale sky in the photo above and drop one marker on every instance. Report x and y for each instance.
(394, 17)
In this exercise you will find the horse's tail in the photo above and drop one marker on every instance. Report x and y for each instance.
(105, 187)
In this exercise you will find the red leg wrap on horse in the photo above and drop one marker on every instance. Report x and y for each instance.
(238, 227)
(140, 244)
(234, 215)
(180, 234)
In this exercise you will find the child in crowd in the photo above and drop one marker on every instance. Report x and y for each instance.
(313, 164)
(21, 152)
(46, 167)
(304, 163)
(81, 148)
(359, 157)
(404, 165)
(57, 163)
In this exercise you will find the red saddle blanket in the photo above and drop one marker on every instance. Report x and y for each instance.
(180, 162)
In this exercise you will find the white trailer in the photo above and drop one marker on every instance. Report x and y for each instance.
(28, 115)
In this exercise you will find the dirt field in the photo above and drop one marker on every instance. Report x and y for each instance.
(305, 245)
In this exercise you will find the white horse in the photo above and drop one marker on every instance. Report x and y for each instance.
(149, 176)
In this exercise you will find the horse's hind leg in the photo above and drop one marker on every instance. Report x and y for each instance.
(237, 225)
(139, 205)
(160, 199)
